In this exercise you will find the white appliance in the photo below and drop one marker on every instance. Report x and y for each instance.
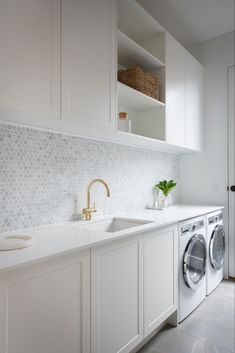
(192, 265)
(215, 250)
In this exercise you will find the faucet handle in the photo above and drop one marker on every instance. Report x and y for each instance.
(87, 212)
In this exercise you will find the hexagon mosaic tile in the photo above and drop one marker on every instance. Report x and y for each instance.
(44, 176)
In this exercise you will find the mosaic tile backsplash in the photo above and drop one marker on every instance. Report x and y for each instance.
(44, 176)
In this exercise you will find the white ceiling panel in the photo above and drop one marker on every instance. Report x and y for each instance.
(193, 21)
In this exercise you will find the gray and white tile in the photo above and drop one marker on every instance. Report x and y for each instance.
(44, 176)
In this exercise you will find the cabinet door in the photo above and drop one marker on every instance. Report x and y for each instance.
(88, 62)
(116, 302)
(45, 308)
(175, 93)
(194, 104)
(30, 56)
(160, 277)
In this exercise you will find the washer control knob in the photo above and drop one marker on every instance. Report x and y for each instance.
(184, 230)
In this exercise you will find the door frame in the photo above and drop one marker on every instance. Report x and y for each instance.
(231, 207)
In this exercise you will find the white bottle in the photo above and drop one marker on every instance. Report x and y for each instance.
(124, 123)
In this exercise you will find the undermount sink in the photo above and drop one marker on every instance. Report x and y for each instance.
(115, 224)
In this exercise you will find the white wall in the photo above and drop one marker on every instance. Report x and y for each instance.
(204, 176)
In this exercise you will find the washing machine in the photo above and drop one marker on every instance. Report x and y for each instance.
(192, 265)
(215, 250)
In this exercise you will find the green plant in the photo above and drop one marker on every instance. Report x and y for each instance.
(166, 186)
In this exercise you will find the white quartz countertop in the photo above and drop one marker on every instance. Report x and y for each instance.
(55, 240)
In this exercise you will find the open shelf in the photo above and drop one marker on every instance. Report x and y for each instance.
(138, 136)
(131, 98)
(135, 21)
(131, 54)
(149, 143)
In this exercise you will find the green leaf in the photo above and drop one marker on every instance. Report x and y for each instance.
(166, 186)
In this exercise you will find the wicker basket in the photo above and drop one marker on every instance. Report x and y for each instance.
(140, 80)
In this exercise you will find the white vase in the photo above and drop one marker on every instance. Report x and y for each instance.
(165, 201)
(170, 200)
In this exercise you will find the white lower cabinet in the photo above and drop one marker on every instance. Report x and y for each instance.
(116, 299)
(160, 277)
(45, 308)
(103, 300)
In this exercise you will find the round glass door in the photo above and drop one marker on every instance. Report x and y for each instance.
(195, 261)
(217, 247)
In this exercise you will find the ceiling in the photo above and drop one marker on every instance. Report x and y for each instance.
(192, 21)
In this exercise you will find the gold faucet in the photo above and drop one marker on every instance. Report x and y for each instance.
(89, 210)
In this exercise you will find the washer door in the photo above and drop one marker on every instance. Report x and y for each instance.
(217, 247)
(194, 266)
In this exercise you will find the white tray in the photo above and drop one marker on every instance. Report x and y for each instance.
(13, 242)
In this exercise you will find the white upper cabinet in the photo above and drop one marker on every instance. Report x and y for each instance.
(30, 56)
(194, 102)
(175, 94)
(59, 61)
(184, 91)
(88, 63)
(176, 118)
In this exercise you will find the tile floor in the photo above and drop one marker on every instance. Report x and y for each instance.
(209, 329)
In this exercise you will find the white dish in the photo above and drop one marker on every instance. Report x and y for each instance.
(13, 242)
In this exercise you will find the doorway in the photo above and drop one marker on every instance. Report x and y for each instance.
(231, 173)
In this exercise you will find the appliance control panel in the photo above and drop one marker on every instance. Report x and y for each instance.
(192, 227)
(215, 219)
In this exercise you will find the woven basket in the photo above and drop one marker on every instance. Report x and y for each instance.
(140, 80)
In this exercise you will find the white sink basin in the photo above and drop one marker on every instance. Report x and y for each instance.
(115, 224)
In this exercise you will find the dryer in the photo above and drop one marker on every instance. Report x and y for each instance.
(215, 250)
(192, 265)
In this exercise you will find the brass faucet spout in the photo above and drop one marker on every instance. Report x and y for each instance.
(88, 211)
(98, 181)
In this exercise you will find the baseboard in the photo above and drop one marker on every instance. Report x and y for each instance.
(172, 320)
(149, 337)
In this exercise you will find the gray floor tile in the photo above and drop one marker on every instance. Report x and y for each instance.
(149, 349)
(172, 340)
(211, 348)
(214, 319)
(209, 329)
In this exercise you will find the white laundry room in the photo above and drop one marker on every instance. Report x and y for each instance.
(117, 176)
